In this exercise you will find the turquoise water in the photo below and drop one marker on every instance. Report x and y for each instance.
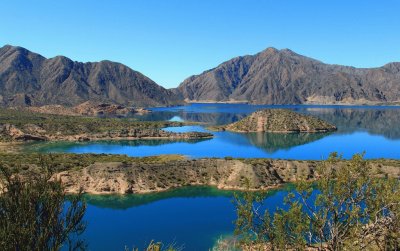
(372, 129)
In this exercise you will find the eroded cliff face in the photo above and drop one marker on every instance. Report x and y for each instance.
(120, 174)
(148, 177)
(122, 178)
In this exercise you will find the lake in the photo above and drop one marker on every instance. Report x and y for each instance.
(196, 217)
(373, 129)
(193, 218)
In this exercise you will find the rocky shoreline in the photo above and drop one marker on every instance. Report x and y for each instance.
(142, 177)
(120, 174)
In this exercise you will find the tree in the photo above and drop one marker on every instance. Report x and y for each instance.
(35, 213)
(347, 207)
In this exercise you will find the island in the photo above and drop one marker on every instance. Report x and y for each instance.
(278, 121)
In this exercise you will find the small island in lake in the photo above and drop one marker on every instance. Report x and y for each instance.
(280, 121)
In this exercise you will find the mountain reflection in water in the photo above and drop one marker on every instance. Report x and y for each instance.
(373, 129)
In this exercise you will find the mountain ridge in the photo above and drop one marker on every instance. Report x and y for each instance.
(28, 78)
(275, 76)
(271, 76)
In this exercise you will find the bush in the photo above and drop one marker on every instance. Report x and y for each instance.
(34, 214)
(346, 208)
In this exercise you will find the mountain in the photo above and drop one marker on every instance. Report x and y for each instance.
(285, 77)
(27, 78)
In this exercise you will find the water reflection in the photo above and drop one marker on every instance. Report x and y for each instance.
(119, 221)
(379, 120)
(375, 121)
(207, 118)
(371, 129)
(272, 142)
(102, 146)
(134, 200)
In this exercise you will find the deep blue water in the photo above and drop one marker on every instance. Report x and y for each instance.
(193, 218)
(196, 217)
(373, 129)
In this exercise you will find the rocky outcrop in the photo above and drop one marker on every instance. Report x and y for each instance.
(120, 174)
(285, 77)
(278, 120)
(29, 79)
(104, 178)
(230, 174)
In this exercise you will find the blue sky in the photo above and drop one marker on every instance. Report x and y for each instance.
(169, 40)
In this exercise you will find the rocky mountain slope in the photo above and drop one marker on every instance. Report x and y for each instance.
(278, 120)
(27, 78)
(284, 77)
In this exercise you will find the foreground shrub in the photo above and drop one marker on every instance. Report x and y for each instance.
(34, 214)
(347, 207)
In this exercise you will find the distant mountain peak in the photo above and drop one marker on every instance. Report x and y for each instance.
(284, 77)
(59, 80)
(271, 50)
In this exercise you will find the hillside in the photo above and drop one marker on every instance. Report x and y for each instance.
(120, 174)
(279, 120)
(29, 79)
(285, 77)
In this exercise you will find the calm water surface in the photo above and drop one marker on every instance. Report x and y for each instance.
(196, 217)
(372, 129)
(193, 218)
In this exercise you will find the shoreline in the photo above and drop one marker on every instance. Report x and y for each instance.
(78, 138)
(101, 174)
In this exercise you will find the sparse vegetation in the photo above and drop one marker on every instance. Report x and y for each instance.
(72, 125)
(278, 120)
(68, 161)
(347, 208)
(35, 213)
